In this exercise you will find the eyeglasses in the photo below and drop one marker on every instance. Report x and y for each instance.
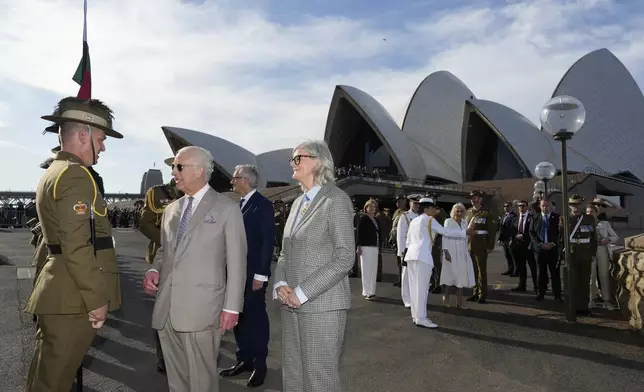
(237, 178)
(180, 166)
(296, 159)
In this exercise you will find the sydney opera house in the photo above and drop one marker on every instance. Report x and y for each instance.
(449, 136)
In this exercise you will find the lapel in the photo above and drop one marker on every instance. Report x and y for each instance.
(204, 206)
(315, 203)
(174, 220)
(249, 203)
(295, 208)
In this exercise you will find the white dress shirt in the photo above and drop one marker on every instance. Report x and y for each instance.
(401, 230)
(310, 195)
(261, 278)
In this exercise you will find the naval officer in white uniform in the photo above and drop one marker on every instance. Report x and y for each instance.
(420, 239)
(401, 242)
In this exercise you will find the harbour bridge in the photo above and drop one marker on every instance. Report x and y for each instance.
(8, 198)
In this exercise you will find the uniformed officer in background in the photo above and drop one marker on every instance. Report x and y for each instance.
(156, 200)
(437, 248)
(280, 221)
(583, 247)
(79, 282)
(401, 208)
(481, 243)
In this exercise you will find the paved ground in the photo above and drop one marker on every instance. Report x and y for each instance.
(510, 344)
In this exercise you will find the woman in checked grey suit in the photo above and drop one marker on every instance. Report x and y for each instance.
(312, 274)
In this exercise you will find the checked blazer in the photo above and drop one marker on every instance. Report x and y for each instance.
(318, 253)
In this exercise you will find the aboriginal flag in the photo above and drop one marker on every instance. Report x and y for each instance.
(83, 75)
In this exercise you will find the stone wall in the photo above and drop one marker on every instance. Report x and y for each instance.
(629, 274)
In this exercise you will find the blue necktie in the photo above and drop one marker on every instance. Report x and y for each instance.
(544, 228)
(241, 203)
(185, 219)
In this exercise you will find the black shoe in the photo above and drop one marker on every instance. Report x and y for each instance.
(436, 290)
(514, 275)
(539, 297)
(238, 369)
(481, 300)
(473, 298)
(256, 379)
(586, 313)
(519, 289)
(559, 299)
(507, 273)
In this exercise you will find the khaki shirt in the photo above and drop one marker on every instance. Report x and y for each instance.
(79, 279)
(156, 200)
(587, 232)
(481, 220)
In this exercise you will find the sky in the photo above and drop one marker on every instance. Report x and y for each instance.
(261, 73)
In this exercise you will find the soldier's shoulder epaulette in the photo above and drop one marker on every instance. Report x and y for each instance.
(73, 171)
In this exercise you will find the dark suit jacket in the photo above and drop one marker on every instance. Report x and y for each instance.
(526, 231)
(259, 222)
(553, 230)
(505, 227)
(367, 232)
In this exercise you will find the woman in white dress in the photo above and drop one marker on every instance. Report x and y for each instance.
(458, 270)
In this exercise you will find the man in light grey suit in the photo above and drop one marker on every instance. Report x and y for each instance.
(312, 274)
(198, 275)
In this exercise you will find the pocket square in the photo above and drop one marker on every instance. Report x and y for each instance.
(209, 219)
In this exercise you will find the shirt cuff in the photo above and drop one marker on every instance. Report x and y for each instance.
(151, 270)
(277, 286)
(300, 295)
(230, 311)
(262, 278)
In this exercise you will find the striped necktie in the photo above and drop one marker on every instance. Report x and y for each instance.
(185, 219)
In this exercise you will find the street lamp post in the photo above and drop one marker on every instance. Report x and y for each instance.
(562, 117)
(544, 171)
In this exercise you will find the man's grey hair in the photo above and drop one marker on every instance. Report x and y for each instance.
(250, 173)
(325, 172)
(202, 158)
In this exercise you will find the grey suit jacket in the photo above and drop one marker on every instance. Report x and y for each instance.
(318, 253)
(206, 273)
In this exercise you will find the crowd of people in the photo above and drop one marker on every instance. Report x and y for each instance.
(210, 260)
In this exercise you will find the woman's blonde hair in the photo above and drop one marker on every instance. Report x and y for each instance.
(456, 207)
(368, 203)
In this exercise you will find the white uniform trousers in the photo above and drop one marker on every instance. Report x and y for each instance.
(419, 276)
(404, 286)
(369, 268)
(603, 263)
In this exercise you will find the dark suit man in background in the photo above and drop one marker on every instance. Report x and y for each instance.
(252, 332)
(521, 246)
(505, 235)
(545, 236)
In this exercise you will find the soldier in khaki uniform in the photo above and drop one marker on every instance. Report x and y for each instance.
(481, 243)
(401, 208)
(156, 199)
(79, 282)
(583, 247)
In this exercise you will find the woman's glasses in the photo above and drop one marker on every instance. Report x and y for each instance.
(296, 159)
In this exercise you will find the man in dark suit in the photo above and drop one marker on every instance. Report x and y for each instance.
(521, 247)
(252, 332)
(505, 235)
(544, 234)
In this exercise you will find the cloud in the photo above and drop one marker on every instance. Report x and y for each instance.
(241, 73)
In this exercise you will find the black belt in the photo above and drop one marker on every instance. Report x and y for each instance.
(102, 243)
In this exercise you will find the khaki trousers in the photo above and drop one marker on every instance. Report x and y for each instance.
(61, 343)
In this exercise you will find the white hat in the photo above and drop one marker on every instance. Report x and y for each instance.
(427, 200)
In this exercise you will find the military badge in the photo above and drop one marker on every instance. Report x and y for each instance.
(80, 208)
